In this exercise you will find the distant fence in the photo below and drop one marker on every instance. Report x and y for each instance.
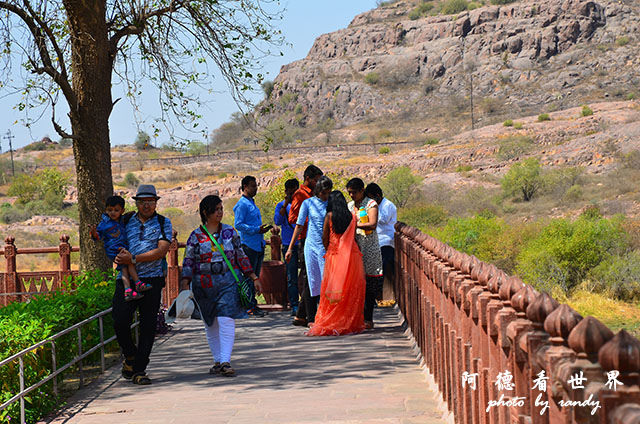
(501, 352)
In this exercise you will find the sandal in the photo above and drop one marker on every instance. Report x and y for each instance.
(127, 370)
(226, 370)
(300, 322)
(215, 369)
(141, 379)
(143, 287)
(130, 294)
(368, 325)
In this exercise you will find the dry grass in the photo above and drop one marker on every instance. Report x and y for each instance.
(614, 314)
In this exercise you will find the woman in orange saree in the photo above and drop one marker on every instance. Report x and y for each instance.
(343, 284)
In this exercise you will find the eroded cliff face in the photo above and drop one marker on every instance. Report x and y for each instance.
(525, 54)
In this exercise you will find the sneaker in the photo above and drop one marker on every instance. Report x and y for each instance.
(256, 312)
(130, 294)
(226, 370)
(143, 287)
(127, 370)
(215, 369)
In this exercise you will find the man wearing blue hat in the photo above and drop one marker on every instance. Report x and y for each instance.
(148, 236)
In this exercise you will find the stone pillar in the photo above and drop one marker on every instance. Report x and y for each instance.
(11, 283)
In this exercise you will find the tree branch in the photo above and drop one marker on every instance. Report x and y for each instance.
(39, 40)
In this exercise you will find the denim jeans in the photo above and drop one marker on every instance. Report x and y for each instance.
(255, 258)
(292, 275)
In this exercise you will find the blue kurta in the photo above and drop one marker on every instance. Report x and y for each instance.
(314, 209)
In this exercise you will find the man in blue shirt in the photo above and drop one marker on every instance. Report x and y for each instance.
(248, 223)
(148, 237)
(281, 218)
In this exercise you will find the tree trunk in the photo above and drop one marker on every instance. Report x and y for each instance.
(91, 66)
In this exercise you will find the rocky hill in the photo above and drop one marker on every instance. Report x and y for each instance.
(523, 57)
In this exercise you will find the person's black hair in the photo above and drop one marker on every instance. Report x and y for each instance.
(292, 183)
(355, 184)
(340, 215)
(114, 201)
(312, 171)
(324, 183)
(373, 191)
(208, 206)
(246, 181)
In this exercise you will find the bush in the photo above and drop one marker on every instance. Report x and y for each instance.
(11, 214)
(431, 141)
(586, 111)
(517, 125)
(267, 200)
(470, 234)
(384, 151)
(618, 277)
(564, 252)
(130, 180)
(544, 117)
(25, 324)
(421, 10)
(372, 78)
(523, 179)
(142, 141)
(508, 123)
(622, 41)
(50, 184)
(464, 168)
(399, 184)
(423, 216)
(267, 87)
(196, 148)
(574, 193)
(514, 146)
(499, 2)
(631, 96)
(451, 7)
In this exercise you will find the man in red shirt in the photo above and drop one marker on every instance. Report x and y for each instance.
(311, 175)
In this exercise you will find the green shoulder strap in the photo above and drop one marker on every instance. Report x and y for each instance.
(213, 239)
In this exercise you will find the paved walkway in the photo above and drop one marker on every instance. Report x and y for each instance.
(283, 377)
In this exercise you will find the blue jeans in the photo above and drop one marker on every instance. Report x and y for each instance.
(292, 276)
(255, 258)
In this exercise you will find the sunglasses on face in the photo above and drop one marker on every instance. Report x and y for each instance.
(146, 202)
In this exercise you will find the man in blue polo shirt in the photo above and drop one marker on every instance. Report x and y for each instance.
(248, 223)
(148, 236)
(281, 218)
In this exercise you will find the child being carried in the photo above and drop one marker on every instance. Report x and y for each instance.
(111, 231)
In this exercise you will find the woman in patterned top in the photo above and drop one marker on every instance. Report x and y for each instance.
(213, 284)
(366, 212)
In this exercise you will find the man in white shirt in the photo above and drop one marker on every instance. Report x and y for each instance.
(387, 218)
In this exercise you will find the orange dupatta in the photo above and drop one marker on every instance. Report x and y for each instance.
(335, 284)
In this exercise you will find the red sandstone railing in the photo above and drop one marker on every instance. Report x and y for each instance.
(20, 286)
(475, 323)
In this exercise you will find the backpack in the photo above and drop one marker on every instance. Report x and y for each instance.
(161, 220)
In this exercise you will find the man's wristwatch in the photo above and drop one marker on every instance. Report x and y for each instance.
(133, 259)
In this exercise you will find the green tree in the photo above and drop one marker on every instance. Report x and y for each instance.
(142, 140)
(48, 184)
(399, 185)
(75, 50)
(523, 178)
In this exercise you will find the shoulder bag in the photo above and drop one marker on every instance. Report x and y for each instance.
(244, 286)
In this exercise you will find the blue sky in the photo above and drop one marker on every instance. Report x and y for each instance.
(303, 21)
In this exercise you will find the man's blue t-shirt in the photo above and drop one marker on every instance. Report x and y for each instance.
(143, 238)
(283, 222)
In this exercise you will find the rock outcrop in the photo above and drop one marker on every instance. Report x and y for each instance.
(522, 55)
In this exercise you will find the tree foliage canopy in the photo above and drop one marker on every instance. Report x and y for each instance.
(177, 45)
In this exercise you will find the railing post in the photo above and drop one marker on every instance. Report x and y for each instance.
(11, 282)
(170, 290)
(64, 250)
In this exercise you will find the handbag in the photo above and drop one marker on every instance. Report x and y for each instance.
(244, 286)
(182, 307)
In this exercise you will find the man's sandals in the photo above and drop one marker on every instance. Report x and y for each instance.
(141, 379)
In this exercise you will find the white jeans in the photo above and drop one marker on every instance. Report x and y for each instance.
(221, 335)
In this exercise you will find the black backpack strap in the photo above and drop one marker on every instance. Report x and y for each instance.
(161, 220)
